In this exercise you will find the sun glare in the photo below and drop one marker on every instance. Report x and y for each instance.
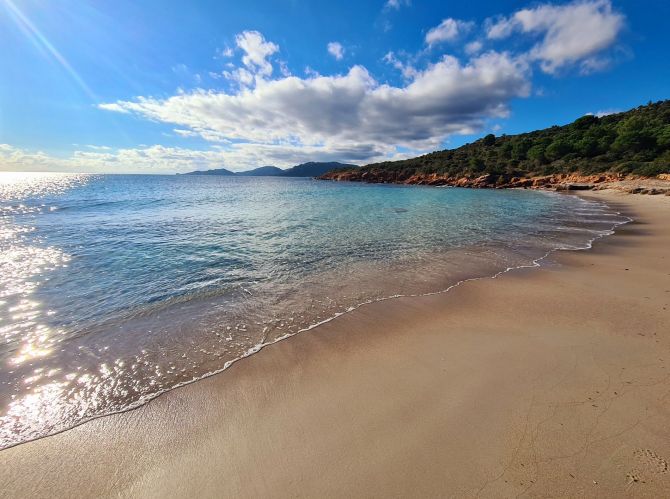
(42, 43)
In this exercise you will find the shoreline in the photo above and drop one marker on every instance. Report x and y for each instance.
(251, 387)
(451, 284)
(631, 184)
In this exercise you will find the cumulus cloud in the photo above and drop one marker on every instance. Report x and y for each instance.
(275, 117)
(574, 33)
(154, 159)
(256, 52)
(162, 159)
(336, 50)
(447, 30)
(349, 111)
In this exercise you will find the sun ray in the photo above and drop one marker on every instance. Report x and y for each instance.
(41, 41)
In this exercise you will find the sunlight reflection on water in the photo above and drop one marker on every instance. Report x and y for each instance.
(23, 266)
(116, 288)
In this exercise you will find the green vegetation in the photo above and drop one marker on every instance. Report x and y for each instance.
(633, 142)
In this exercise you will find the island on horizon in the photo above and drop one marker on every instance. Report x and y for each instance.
(309, 169)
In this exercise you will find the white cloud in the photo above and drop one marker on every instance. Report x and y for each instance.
(227, 52)
(502, 28)
(278, 118)
(351, 112)
(396, 4)
(113, 107)
(571, 33)
(594, 65)
(162, 159)
(473, 47)
(604, 112)
(408, 71)
(255, 59)
(256, 52)
(283, 68)
(241, 76)
(185, 133)
(336, 50)
(447, 30)
(154, 159)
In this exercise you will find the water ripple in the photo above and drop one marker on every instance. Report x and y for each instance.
(114, 289)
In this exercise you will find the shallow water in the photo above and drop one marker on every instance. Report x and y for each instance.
(115, 288)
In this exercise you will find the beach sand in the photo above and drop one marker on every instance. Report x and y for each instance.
(551, 382)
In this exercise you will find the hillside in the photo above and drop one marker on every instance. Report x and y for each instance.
(262, 171)
(218, 171)
(314, 169)
(635, 142)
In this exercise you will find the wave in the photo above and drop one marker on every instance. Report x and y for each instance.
(536, 262)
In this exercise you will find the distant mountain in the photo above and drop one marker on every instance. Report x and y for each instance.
(311, 169)
(218, 171)
(314, 169)
(263, 171)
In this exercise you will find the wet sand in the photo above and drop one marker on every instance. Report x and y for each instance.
(551, 382)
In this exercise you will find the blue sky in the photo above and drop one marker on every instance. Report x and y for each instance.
(167, 86)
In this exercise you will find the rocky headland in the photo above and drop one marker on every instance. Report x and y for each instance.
(561, 182)
(628, 151)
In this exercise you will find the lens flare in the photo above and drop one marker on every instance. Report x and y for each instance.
(40, 41)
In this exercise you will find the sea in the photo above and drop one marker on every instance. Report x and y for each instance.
(117, 288)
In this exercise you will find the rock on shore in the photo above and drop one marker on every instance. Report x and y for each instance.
(560, 182)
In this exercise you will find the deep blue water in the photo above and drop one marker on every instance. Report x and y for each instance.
(114, 288)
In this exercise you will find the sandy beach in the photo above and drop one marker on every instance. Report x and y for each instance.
(551, 382)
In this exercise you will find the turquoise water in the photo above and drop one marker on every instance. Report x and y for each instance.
(115, 288)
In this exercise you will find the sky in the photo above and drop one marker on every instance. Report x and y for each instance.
(163, 86)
